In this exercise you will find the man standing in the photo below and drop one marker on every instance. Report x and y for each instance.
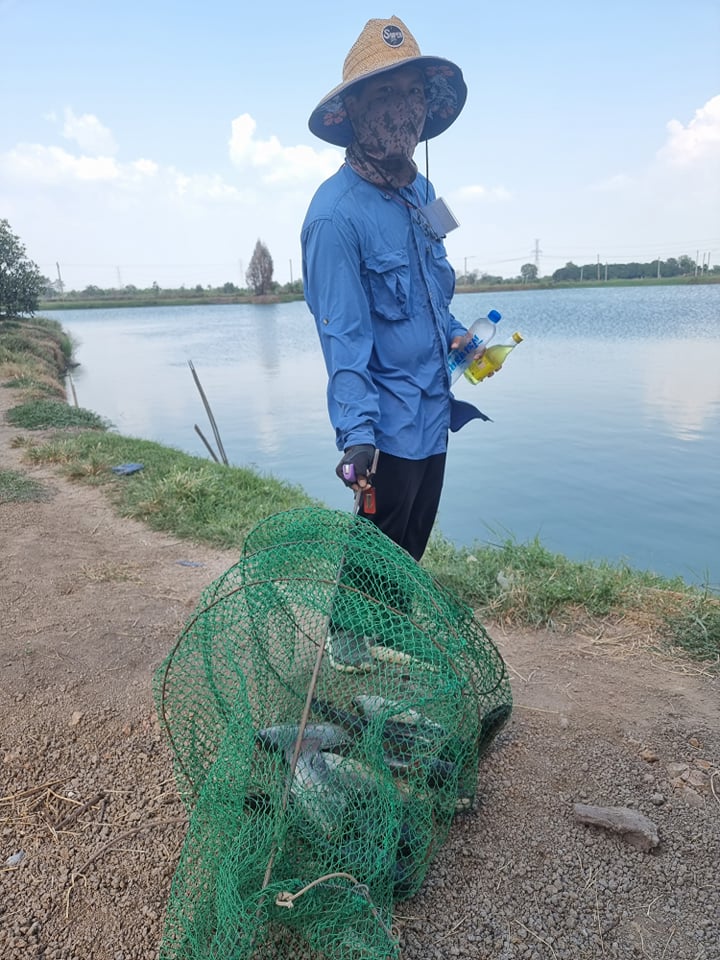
(378, 281)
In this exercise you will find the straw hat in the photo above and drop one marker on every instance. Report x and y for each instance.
(384, 45)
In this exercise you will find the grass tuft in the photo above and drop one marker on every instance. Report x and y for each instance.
(17, 488)
(43, 414)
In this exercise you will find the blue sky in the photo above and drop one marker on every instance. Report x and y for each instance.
(157, 141)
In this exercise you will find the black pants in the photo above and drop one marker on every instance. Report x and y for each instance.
(407, 496)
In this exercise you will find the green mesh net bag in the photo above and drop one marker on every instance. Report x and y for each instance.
(327, 706)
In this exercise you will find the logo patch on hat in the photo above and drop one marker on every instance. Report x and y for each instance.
(393, 35)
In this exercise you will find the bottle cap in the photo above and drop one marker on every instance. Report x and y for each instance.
(494, 316)
(516, 337)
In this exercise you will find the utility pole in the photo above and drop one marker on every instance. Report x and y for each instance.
(291, 280)
(598, 266)
(61, 285)
(658, 272)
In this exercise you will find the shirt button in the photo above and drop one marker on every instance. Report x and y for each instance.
(326, 321)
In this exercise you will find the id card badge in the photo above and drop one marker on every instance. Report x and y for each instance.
(440, 217)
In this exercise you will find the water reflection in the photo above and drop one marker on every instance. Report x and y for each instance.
(682, 385)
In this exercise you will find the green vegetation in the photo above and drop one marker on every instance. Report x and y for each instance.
(20, 279)
(673, 270)
(510, 582)
(188, 496)
(17, 488)
(34, 355)
(50, 414)
(259, 272)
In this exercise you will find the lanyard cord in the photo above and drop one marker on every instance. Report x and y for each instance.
(427, 173)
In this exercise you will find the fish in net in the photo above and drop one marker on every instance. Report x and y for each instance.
(327, 706)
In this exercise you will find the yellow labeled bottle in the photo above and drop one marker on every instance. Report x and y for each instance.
(493, 358)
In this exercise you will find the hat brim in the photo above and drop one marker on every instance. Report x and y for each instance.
(446, 95)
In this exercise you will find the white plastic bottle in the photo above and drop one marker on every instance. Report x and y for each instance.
(479, 334)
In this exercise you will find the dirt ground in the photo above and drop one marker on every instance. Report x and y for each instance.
(90, 823)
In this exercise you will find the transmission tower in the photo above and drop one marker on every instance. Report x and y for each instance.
(537, 251)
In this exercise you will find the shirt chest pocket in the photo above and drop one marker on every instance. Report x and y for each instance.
(387, 277)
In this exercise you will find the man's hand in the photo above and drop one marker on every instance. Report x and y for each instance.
(356, 467)
(457, 342)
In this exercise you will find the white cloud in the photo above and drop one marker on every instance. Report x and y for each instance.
(277, 163)
(211, 188)
(89, 134)
(33, 162)
(697, 142)
(101, 216)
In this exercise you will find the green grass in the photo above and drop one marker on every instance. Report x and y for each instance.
(197, 499)
(17, 488)
(187, 496)
(45, 414)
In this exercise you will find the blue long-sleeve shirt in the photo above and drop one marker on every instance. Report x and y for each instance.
(379, 285)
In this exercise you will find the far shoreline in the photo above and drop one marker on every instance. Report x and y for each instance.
(70, 303)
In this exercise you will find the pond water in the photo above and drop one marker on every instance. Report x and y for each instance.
(605, 440)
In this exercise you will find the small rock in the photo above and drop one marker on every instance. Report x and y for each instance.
(691, 798)
(698, 780)
(657, 799)
(694, 742)
(75, 718)
(635, 828)
(676, 770)
(649, 756)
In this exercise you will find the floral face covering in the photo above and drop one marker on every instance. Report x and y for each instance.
(387, 121)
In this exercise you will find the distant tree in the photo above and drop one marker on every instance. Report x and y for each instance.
(259, 272)
(20, 280)
(571, 271)
(686, 264)
(528, 272)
